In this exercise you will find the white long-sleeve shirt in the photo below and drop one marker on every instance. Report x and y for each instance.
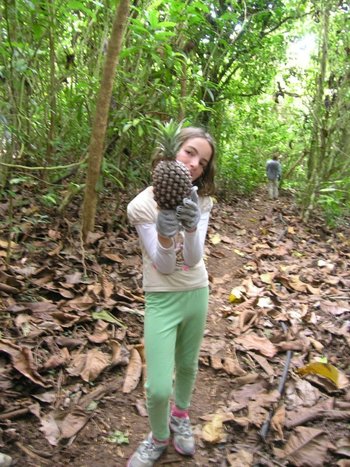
(180, 267)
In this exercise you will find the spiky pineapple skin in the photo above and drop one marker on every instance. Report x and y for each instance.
(171, 184)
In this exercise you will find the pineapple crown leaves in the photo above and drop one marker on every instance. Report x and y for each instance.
(168, 138)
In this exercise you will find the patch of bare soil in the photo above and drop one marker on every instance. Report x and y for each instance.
(71, 388)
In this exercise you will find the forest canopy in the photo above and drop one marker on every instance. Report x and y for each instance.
(262, 77)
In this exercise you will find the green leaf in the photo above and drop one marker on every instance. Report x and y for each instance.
(108, 317)
(166, 24)
(153, 19)
(38, 31)
(92, 406)
(163, 35)
(75, 5)
(118, 437)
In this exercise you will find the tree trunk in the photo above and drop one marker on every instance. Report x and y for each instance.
(296, 164)
(101, 118)
(317, 153)
(183, 84)
(52, 86)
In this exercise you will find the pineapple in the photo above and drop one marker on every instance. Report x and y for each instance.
(171, 178)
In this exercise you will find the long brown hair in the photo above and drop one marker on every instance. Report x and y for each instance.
(205, 183)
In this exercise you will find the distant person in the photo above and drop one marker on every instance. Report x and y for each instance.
(273, 173)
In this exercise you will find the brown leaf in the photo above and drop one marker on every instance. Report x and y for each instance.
(226, 239)
(306, 447)
(100, 334)
(263, 363)
(293, 282)
(251, 289)
(74, 278)
(50, 428)
(82, 303)
(254, 342)
(241, 306)
(89, 365)
(60, 359)
(335, 308)
(242, 458)
(141, 408)
(216, 362)
(57, 425)
(257, 409)
(65, 320)
(301, 345)
(9, 289)
(107, 287)
(247, 318)
(343, 463)
(112, 256)
(22, 359)
(73, 423)
(68, 342)
(249, 391)
(133, 372)
(232, 367)
(319, 411)
(278, 420)
(247, 379)
(343, 447)
(300, 392)
(120, 354)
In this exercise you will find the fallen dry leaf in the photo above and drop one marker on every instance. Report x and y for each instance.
(22, 359)
(89, 365)
(213, 432)
(242, 458)
(278, 420)
(306, 446)
(252, 341)
(133, 372)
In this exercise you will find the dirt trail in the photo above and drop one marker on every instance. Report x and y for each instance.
(240, 240)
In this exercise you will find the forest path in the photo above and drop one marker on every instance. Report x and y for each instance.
(274, 270)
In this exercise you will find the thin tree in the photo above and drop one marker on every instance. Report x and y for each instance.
(52, 86)
(317, 154)
(95, 154)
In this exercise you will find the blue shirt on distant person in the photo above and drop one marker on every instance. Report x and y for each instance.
(273, 169)
(273, 173)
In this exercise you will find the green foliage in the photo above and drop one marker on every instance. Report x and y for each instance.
(223, 65)
(49, 199)
(251, 133)
(335, 201)
(112, 173)
(118, 437)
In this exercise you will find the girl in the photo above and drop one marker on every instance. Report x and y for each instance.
(175, 282)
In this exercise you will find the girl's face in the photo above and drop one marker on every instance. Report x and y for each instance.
(195, 153)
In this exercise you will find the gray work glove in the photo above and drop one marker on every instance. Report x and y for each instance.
(189, 213)
(167, 223)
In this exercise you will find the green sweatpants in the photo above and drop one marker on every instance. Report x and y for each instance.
(174, 327)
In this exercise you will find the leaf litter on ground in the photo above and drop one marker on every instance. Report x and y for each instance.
(71, 350)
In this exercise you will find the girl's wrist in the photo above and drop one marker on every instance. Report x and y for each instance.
(166, 242)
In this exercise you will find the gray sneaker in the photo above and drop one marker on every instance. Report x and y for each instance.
(147, 453)
(183, 437)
